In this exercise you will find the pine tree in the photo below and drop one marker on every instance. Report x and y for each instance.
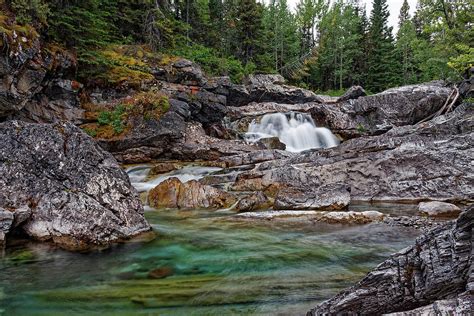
(381, 59)
(248, 25)
(406, 36)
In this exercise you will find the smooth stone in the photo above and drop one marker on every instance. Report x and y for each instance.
(160, 273)
(438, 209)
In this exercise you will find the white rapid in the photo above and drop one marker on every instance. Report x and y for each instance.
(139, 176)
(296, 130)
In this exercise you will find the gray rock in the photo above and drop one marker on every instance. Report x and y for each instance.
(272, 143)
(402, 165)
(353, 92)
(35, 84)
(438, 209)
(6, 221)
(256, 201)
(437, 268)
(366, 115)
(327, 197)
(76, 193)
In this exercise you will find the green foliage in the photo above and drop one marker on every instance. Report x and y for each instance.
(113, 118)
(327, 45)
(361, 128)
(464, 60)
(91, 132)
(214, 65)
(30, 11)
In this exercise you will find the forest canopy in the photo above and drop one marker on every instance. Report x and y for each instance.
(322, 45)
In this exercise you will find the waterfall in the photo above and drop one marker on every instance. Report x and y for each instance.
(296, 130)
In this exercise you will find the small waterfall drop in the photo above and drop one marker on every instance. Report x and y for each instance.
(296, 130)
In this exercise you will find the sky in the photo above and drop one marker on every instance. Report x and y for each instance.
(393, 7)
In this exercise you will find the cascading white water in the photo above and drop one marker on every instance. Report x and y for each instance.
(296, 130)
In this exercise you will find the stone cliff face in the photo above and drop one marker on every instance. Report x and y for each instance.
(37, 79)
(434, 275)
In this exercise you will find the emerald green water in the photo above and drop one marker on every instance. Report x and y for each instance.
(213, 265)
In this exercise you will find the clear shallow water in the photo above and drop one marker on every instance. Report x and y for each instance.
(215, 265)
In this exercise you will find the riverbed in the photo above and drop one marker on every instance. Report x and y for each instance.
(200, 263)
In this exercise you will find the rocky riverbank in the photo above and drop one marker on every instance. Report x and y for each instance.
(63, 183)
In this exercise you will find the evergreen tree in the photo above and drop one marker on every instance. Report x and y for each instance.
(248, 25)
(381, 60)
(406, 36)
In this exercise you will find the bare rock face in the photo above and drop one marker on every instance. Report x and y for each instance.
(353, 92)
(332, 197)
(268, 88)
(355, 114)
(36, 83)
(256, 201)
(438, 209)
(172, 193)
(431, 161)
(61, 186)
(435, 274)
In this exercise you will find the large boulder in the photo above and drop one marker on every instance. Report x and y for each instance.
(172, 193)
(61, 186)
(268, 88)
(436, 272)
(438, 209)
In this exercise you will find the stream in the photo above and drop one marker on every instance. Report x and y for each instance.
(201, 263)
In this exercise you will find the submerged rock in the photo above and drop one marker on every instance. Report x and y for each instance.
(438, 209)
(436, 269)
(172, 193)
(256, 201)
(61, 186)
(352, 217)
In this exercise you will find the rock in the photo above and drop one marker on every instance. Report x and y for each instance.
(172, 193)
(352, 217)
(6, 221)
(262, 80)
(62, 187)
(35, 81)
(160, 273)
(332, 197)
(438, 267)
(272, 143)
(58, 101)
(438, 209)
(353, 92)
(268, 88)
(350, 118)
(256, 201)
(162, 167)
(402, 165)
(186, 72)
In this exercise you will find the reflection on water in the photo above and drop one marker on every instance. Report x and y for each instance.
(200, 264)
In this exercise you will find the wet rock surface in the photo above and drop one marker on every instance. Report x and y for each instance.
(433, 275)
(173, 193)
(61, 186)
(438, 209)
